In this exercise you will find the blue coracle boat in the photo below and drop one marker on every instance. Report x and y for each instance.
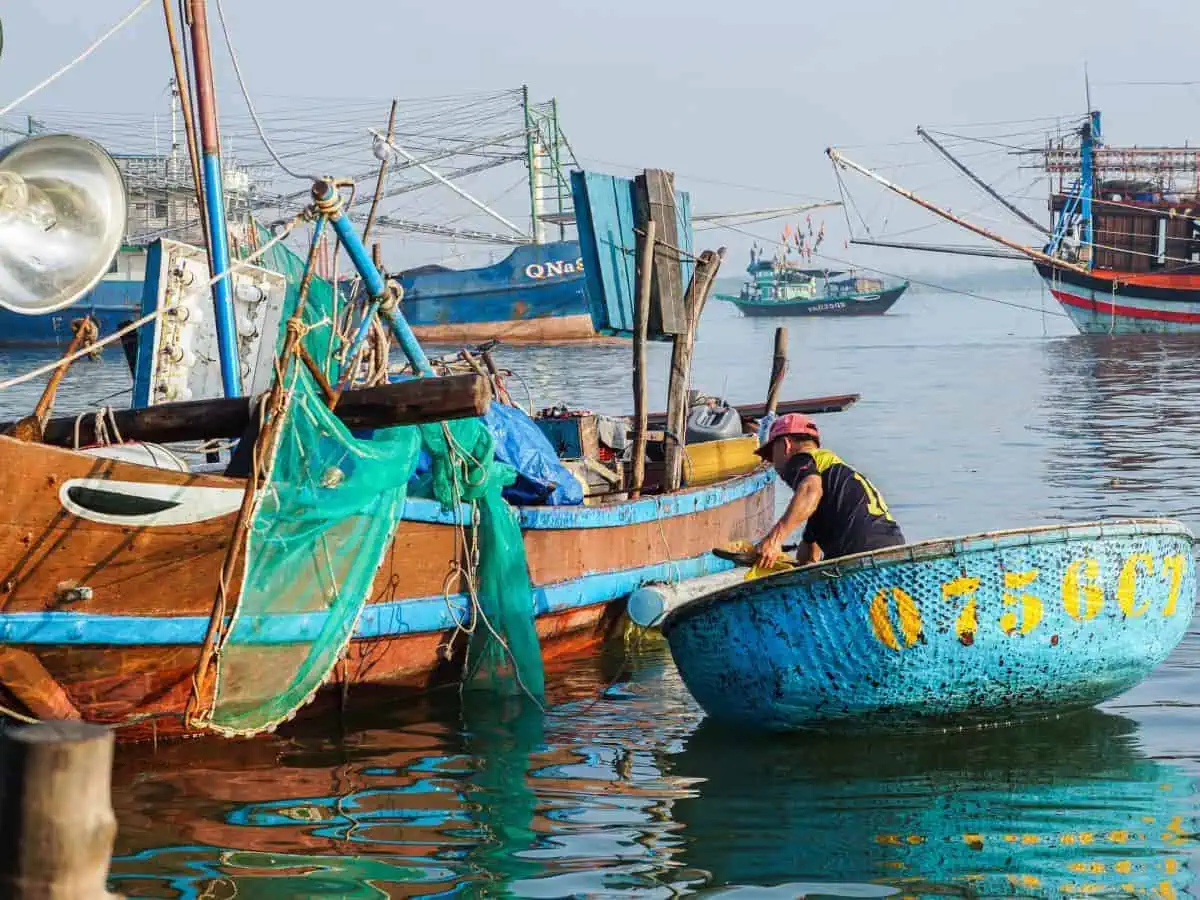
(985, 627)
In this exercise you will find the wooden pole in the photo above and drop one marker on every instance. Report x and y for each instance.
(30, 428)
(185, 105)
(778, 368)
(502, 394)
(682, 348)
(402, 403)
(641, 320)
(56, 818)
(383, 167)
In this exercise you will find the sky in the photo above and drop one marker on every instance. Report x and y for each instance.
(739, 99)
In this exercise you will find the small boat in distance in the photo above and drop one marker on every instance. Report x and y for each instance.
(780, 287)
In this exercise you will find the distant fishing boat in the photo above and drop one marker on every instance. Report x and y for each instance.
(990, 626)
(781, 287)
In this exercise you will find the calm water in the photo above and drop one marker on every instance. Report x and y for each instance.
(974, 417)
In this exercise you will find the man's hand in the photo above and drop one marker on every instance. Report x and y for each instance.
(769, 550)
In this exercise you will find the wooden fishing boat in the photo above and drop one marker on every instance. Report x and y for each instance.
(111, 570)
(993, 625)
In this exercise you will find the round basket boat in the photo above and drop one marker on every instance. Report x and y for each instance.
(996, 625)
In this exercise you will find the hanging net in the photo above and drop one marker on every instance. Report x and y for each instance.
(322, 521)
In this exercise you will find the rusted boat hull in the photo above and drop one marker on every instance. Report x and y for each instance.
(111, 570)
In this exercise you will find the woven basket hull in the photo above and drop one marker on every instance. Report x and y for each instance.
(991, 626)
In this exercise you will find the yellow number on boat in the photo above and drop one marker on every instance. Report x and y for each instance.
(1127, 584)
(906, 612)
(967, 622)
(1082, 596)
(1173, 568)
(1029, 607)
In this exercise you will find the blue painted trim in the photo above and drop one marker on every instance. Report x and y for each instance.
(636, 512)
(218, 246)
(398, 617)
(376, 289)
(145, 344)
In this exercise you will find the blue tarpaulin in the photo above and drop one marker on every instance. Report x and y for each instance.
(541, 478)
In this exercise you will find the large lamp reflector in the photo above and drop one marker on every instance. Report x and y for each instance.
(62, 218)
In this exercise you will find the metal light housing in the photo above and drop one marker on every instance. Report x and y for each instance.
(62, 217)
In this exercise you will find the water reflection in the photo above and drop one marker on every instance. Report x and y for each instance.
(1051, 807)
(1122, 421)
(626, 796)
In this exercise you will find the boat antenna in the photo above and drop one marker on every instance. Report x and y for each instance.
(1087, 88)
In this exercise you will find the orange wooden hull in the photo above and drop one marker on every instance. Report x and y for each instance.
(102, 617)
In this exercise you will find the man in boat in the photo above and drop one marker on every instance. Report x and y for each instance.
(844, 512)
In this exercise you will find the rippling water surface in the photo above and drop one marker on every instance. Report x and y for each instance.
(973, 417)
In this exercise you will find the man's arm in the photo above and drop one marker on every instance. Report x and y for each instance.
(804, 504)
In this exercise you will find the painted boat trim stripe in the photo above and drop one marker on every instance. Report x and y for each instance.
(1131, 312)
(396, 618)
(638, 512)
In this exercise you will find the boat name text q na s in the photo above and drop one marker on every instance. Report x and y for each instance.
(540, 271)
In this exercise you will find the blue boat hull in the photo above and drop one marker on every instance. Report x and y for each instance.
(986, 627)
(535, 294)
(110, 302)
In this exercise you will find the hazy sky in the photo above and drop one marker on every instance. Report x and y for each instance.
(723, 93)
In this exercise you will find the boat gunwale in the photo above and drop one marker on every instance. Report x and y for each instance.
(631, 511)
(931, 549)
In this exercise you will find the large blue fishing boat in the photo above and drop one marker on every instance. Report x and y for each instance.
(535, 294)
(991, 626)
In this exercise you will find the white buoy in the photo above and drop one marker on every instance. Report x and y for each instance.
(648, 604)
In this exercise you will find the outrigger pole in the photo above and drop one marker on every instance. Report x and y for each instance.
(987, 188)
(839, 159)
(214, 200)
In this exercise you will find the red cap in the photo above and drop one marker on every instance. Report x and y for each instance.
(792, 423)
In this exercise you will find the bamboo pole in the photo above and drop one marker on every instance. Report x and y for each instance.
(56, 817)
(683, 346)
(778, 368)
(641, 319)
(839, 159)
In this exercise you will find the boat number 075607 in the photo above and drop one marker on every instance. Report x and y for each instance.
(897, 622)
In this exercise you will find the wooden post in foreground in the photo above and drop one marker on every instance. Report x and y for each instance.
(641, 322)
(681, 367)
(778, 369)
(56, 818)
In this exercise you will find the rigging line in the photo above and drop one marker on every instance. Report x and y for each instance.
(845, 206)
(80, 58)
(846, 195)
(983, 185)
(237, 70)
(980, 140)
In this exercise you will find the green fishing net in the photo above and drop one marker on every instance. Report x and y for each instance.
(322, 523)
(503, 653)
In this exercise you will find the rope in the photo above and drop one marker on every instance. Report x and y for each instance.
(237, 70)
(150, 317)
(77, 60)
